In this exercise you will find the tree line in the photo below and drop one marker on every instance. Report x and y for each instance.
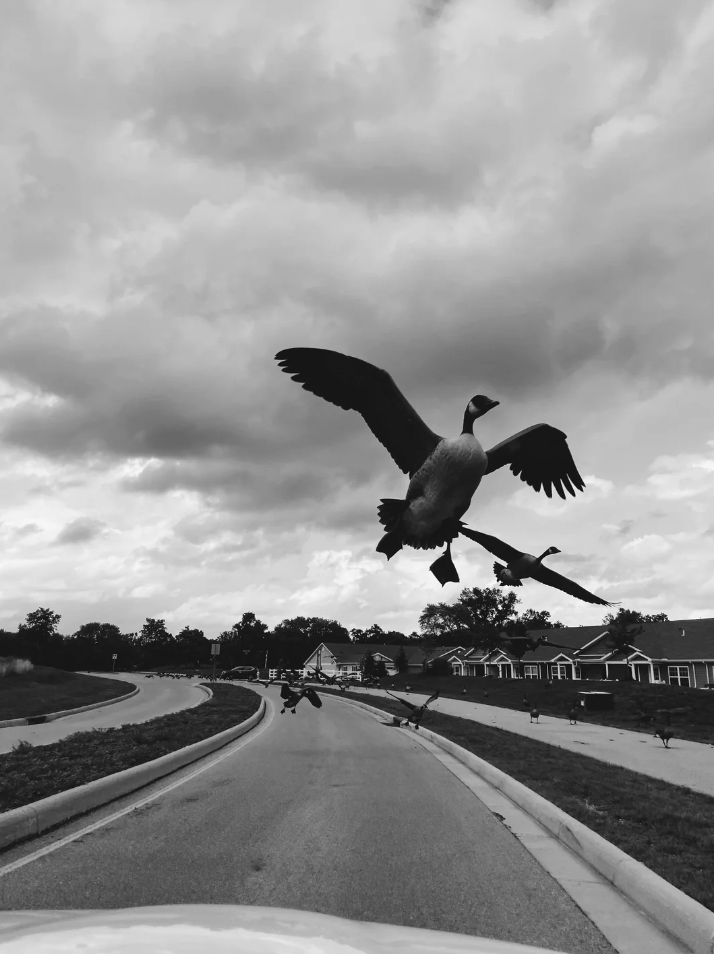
(478, 618)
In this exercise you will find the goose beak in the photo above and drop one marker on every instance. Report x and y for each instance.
(494, 404)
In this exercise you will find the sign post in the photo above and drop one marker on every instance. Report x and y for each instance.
(215, 650)
(114, 661)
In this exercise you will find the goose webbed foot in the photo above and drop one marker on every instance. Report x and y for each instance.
(444, 569)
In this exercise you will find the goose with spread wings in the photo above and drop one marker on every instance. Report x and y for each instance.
(444, 472)
(417, 712)
(522, 566)
(291, 697)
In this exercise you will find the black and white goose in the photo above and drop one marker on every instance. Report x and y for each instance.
(444, 472)
(523, 566)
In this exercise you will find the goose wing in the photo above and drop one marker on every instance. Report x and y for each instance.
(431, 698)
(550, 578)
(312, 697)
(356, 385)
(500, 549)
(409, 705)
(541, 456)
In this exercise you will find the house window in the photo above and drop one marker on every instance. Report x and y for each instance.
(678, 675)
(655, 673)
(530, 672)
(578, 674)
(560, 671)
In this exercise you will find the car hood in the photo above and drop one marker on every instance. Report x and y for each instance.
(226, 929)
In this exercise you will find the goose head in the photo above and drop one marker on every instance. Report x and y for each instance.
(480, 405)
(551, 550)
(477, 407)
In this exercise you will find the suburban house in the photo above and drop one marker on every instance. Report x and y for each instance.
(675, 652)
(344, 658)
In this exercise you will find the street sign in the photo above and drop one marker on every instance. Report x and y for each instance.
(114, 656)
(215, 649)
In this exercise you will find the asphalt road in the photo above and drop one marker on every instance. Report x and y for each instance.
(328, 810)
(156, 697)
(684, 763)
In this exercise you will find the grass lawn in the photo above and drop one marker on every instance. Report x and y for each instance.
(666, 827)
(44, 690)
(29, 773)
(697, 724)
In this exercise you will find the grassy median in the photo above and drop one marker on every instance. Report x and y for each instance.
(29, 772)
(43, 690)
(666, 827)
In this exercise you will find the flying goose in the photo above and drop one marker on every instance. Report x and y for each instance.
(522, 566)
(291, 697)
(328, 680)
(417, 712)
(444, 472)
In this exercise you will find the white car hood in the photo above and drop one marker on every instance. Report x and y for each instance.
(226, 929)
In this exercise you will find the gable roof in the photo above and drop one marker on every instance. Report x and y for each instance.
(657, 641)
(352, 653)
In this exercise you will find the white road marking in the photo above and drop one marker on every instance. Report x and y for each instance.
(254, 734)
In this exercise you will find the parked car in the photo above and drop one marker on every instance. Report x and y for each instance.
(239, 672)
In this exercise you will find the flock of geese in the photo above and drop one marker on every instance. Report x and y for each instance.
(444, 472)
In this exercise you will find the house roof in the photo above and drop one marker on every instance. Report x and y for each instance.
(657, 641)
(352, 653)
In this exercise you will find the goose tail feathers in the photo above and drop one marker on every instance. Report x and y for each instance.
(390, 512)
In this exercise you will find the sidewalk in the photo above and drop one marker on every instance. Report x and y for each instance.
(684, 763)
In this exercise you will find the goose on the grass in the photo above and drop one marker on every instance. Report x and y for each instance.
(444, 472)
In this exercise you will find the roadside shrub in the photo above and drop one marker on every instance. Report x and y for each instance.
(10, 665)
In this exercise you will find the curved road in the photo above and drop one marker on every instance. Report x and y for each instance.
(156, 697)
(329, 810)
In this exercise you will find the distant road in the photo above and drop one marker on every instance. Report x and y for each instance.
(327, 810)
(156, 697)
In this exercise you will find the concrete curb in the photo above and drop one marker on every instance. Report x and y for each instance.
(33, 819)
(52, 716)
(669, 908)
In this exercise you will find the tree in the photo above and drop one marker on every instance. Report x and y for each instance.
(539, 619)
(380, 668)
(38, 637)
(401, 661)
(623, 629)
(40, 626)
(374, 634)
(443, 621)
(157, 645)
(368, 666)
(192, 646)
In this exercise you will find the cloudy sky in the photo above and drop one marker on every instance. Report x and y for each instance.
(509, 197)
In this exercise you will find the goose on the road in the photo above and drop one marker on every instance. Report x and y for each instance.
(291, 698)
(535, 714)
(444, 472)
(523, 566)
